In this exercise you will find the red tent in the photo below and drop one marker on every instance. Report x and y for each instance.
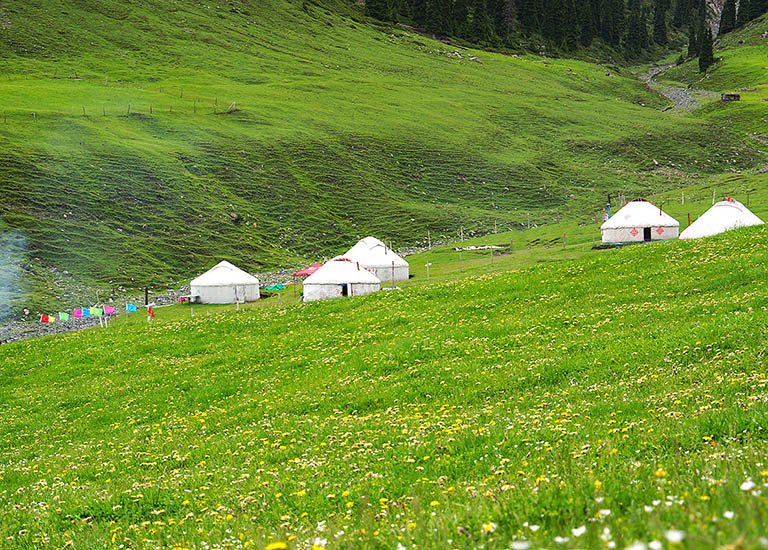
(308, 270)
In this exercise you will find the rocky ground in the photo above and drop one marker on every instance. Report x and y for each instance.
(683, 98)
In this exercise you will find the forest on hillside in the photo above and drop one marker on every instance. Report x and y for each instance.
(631, 27)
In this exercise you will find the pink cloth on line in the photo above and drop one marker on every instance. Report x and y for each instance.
(109, 310)
(78, 313)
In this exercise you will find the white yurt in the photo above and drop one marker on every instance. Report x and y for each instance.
(725, 215)
(379, 259)
(639, 221)
(340, 277)
(224, 284)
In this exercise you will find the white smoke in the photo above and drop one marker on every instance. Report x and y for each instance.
(13, 248)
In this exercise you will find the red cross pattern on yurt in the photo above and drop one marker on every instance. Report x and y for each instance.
(660, 230)
(634, 232)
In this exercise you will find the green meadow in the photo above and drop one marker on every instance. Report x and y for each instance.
(614, 398)
(144, 142)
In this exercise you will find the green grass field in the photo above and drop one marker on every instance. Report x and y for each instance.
(342, 129)
(552, 396)
(620, 395)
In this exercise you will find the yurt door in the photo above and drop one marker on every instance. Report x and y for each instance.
(646, 234)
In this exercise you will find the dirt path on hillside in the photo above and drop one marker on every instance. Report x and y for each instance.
(683, 98)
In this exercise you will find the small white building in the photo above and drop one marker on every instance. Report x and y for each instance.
(224, 284)
(340, 277)
(378, 258)
(725, 215)
(639, 221)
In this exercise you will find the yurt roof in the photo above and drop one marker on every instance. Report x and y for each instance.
(224, 274)
(725, 215)
(640, 213)
(341, 270)
(371, 251)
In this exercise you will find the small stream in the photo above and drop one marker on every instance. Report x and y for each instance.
(682, 97)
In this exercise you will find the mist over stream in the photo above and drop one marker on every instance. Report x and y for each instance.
(13, 248)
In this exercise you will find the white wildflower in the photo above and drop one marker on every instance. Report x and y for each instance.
(674, 536)
(747, 485)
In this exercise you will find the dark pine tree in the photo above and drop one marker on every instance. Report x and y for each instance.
(419, 9)
(383, 10)
(682, 13)
(552, 28)
(482, 26)
(758, 8)
(527, 16)
(706, 54)
(587, 23)
(728, 17)
(447, 7)
(693, 44)
(570, 26)
(495, 12)
(744, 14)
(595, 8)
(619, 21)
(508, 22)
(433, 18)
(633, 43)
(660, 22)
(461, 18)
(645, 40)
(607, 24)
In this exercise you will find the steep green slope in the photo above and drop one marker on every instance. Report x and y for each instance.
(565, 395)
(741, 62)
(121, 165)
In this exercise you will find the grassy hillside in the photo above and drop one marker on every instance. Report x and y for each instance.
(567, 402)
(742, 61)
(741, 68)
(340, 129)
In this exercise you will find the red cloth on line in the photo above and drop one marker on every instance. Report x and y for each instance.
(151, 312)
(43, 318)
(308, 270)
